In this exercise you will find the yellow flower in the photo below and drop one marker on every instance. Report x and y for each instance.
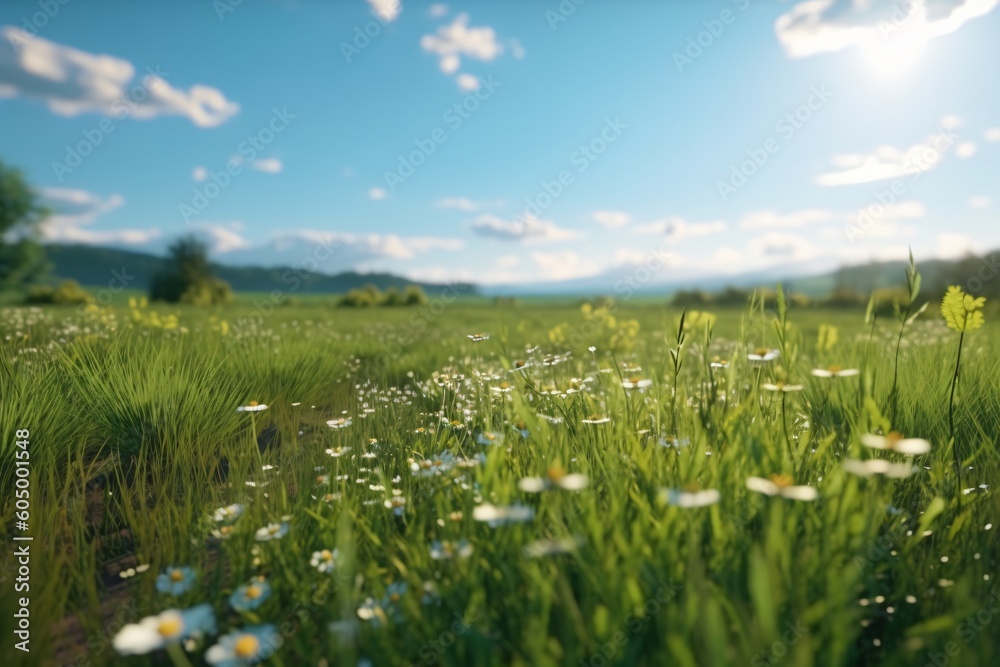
(962, 312)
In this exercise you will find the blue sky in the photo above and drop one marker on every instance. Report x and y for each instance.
(703, 138)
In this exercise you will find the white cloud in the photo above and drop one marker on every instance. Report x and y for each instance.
(450, 64)
(529, 229)
(199, 174)
(377, 194)
(72, 82)
(782, 246)
(563, 265)
(992, 134)
(610, 219)
(223, 238)
(676, 228)
(516, 49)
(980, 201)
(76, 210)
(458, 40)
(953, 246)
(965, 149)
(887, 162)
(507, 261)
(774, 220)
(387, 10)
(438, 10)
(467, 82)
(819, 26)
(268, 165)
(458, 203)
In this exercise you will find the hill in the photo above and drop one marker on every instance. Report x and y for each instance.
(95, 266)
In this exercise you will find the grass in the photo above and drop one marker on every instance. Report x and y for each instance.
(136, 441)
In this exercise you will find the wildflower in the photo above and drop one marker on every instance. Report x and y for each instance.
(249, 646)
(252, 406)
(394, 593)
(324, 560)
(522, 429)
(781, 485)
(442, 463)
(168, 627)
(877, 467)
(762, 356)
(673, 441)
(636, 383)
(397, 503)
(222, 532)
(489, 438)
(228, 513)
(962, 312)
(342, 422)
(520, 365)
(372, 611)
(834, 371)
(478, 337)
(502, 388)
(337, 452)
(540, 548)
(272, 531)
(895, 442)
(445, 550)
(321, 480)
(781, 386)
(596, 419)
(175, 580)
(719, 363)
(556, 477)
(498, 516)
(250, 596)
(692, 495)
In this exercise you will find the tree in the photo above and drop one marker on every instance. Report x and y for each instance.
(187, 277)
(21, 258)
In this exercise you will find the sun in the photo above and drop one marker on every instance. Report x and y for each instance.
(893, 58)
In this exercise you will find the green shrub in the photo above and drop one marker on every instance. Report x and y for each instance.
(67, 293)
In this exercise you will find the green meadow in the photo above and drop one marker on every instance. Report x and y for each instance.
(462, 484)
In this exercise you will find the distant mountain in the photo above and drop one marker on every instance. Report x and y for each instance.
(96, 266)
(812, 278)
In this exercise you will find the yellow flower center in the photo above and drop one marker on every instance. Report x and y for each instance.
(894, 437)
(394, 597)
(556, 473)
(635, 379)
(520, 363)
(253, 592)
(253, 404)
(505, 385)
(273, 530)
(326, 554)
(489, 436)
(170, 627)
(225, 530)
(760, 351)
(834, 368)
(781, 481)
(246, 647)
(176, 576)
(691, 487)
